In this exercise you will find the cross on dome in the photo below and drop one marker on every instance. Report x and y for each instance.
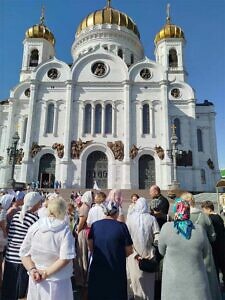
(168, 13)
(42, 18)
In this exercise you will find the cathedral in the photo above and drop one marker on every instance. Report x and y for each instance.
(113, 117)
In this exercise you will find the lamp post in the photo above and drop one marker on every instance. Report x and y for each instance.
(13, 154)
(173, 153)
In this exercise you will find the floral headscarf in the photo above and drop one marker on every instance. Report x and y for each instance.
(182, 221)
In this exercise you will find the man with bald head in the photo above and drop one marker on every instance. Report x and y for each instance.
(159, 205)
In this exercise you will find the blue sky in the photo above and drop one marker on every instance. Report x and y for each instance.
(203, 23)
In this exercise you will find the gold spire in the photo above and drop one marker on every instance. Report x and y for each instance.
(42, 18)
(168, 14)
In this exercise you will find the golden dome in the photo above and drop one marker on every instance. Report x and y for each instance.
(40, 31)
(169, 30)
(108, 15)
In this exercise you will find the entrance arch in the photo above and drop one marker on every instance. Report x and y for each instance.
(146, 171)
(47, 171)
(97, 170)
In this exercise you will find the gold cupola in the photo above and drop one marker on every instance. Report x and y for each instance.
(40, 31)
(108, 15)
(169, 31)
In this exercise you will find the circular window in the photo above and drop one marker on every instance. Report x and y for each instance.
(175, 93)
(145, 73)
(27, 92)
(53, 73)
(99, 69)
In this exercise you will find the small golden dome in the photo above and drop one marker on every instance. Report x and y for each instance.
(108, 15)
(169, 30)
(40, 30)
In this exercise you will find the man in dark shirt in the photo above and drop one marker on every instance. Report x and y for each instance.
(159, 205)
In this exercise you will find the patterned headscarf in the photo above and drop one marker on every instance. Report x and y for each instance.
(182, 221)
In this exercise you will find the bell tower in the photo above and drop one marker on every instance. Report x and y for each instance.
(169, 48)
(38, 47)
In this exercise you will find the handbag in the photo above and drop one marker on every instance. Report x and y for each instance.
(148, 265)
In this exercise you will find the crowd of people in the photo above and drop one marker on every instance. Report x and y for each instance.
(154, 250)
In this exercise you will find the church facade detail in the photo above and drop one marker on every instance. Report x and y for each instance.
(108, 116)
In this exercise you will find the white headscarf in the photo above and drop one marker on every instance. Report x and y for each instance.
(30, 200)
(142, 226)
(6, 201)
(87, 198)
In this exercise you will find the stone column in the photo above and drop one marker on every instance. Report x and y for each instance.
(152, 120)
(141, 119)
(103, 120)
(27, 164)
(82, 113)
(114, 120)
(126, 181)
(92, 120)
(56, 117)
(164, 168)
(66, 160)
(10, 130)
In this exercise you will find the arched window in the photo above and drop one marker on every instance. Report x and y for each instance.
(199, 140)
(50, 118)
(145, 118)
(34, 56)
(120, 53)
(87, 119)
(177, 130)
(98, 118)
(203, 178)
(173, 61)
(108, 118)
(24, 129)
(132, 59)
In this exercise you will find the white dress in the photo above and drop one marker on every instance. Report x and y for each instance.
(95, 214)
(142, 227)
(47, 241)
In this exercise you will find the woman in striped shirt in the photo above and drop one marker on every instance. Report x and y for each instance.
(15, 278)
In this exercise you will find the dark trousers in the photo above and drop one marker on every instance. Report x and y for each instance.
(15, 281)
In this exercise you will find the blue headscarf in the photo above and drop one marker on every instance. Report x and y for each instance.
(182, 222)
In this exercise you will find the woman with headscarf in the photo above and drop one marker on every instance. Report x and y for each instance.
(184, 247)
(82, 246)
(199, 217)
(110, 243)
(15, 278)
(47, 252)
(144, 230)
(5, 203)
(115, 196)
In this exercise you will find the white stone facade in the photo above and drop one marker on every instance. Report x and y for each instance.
(118, 104)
